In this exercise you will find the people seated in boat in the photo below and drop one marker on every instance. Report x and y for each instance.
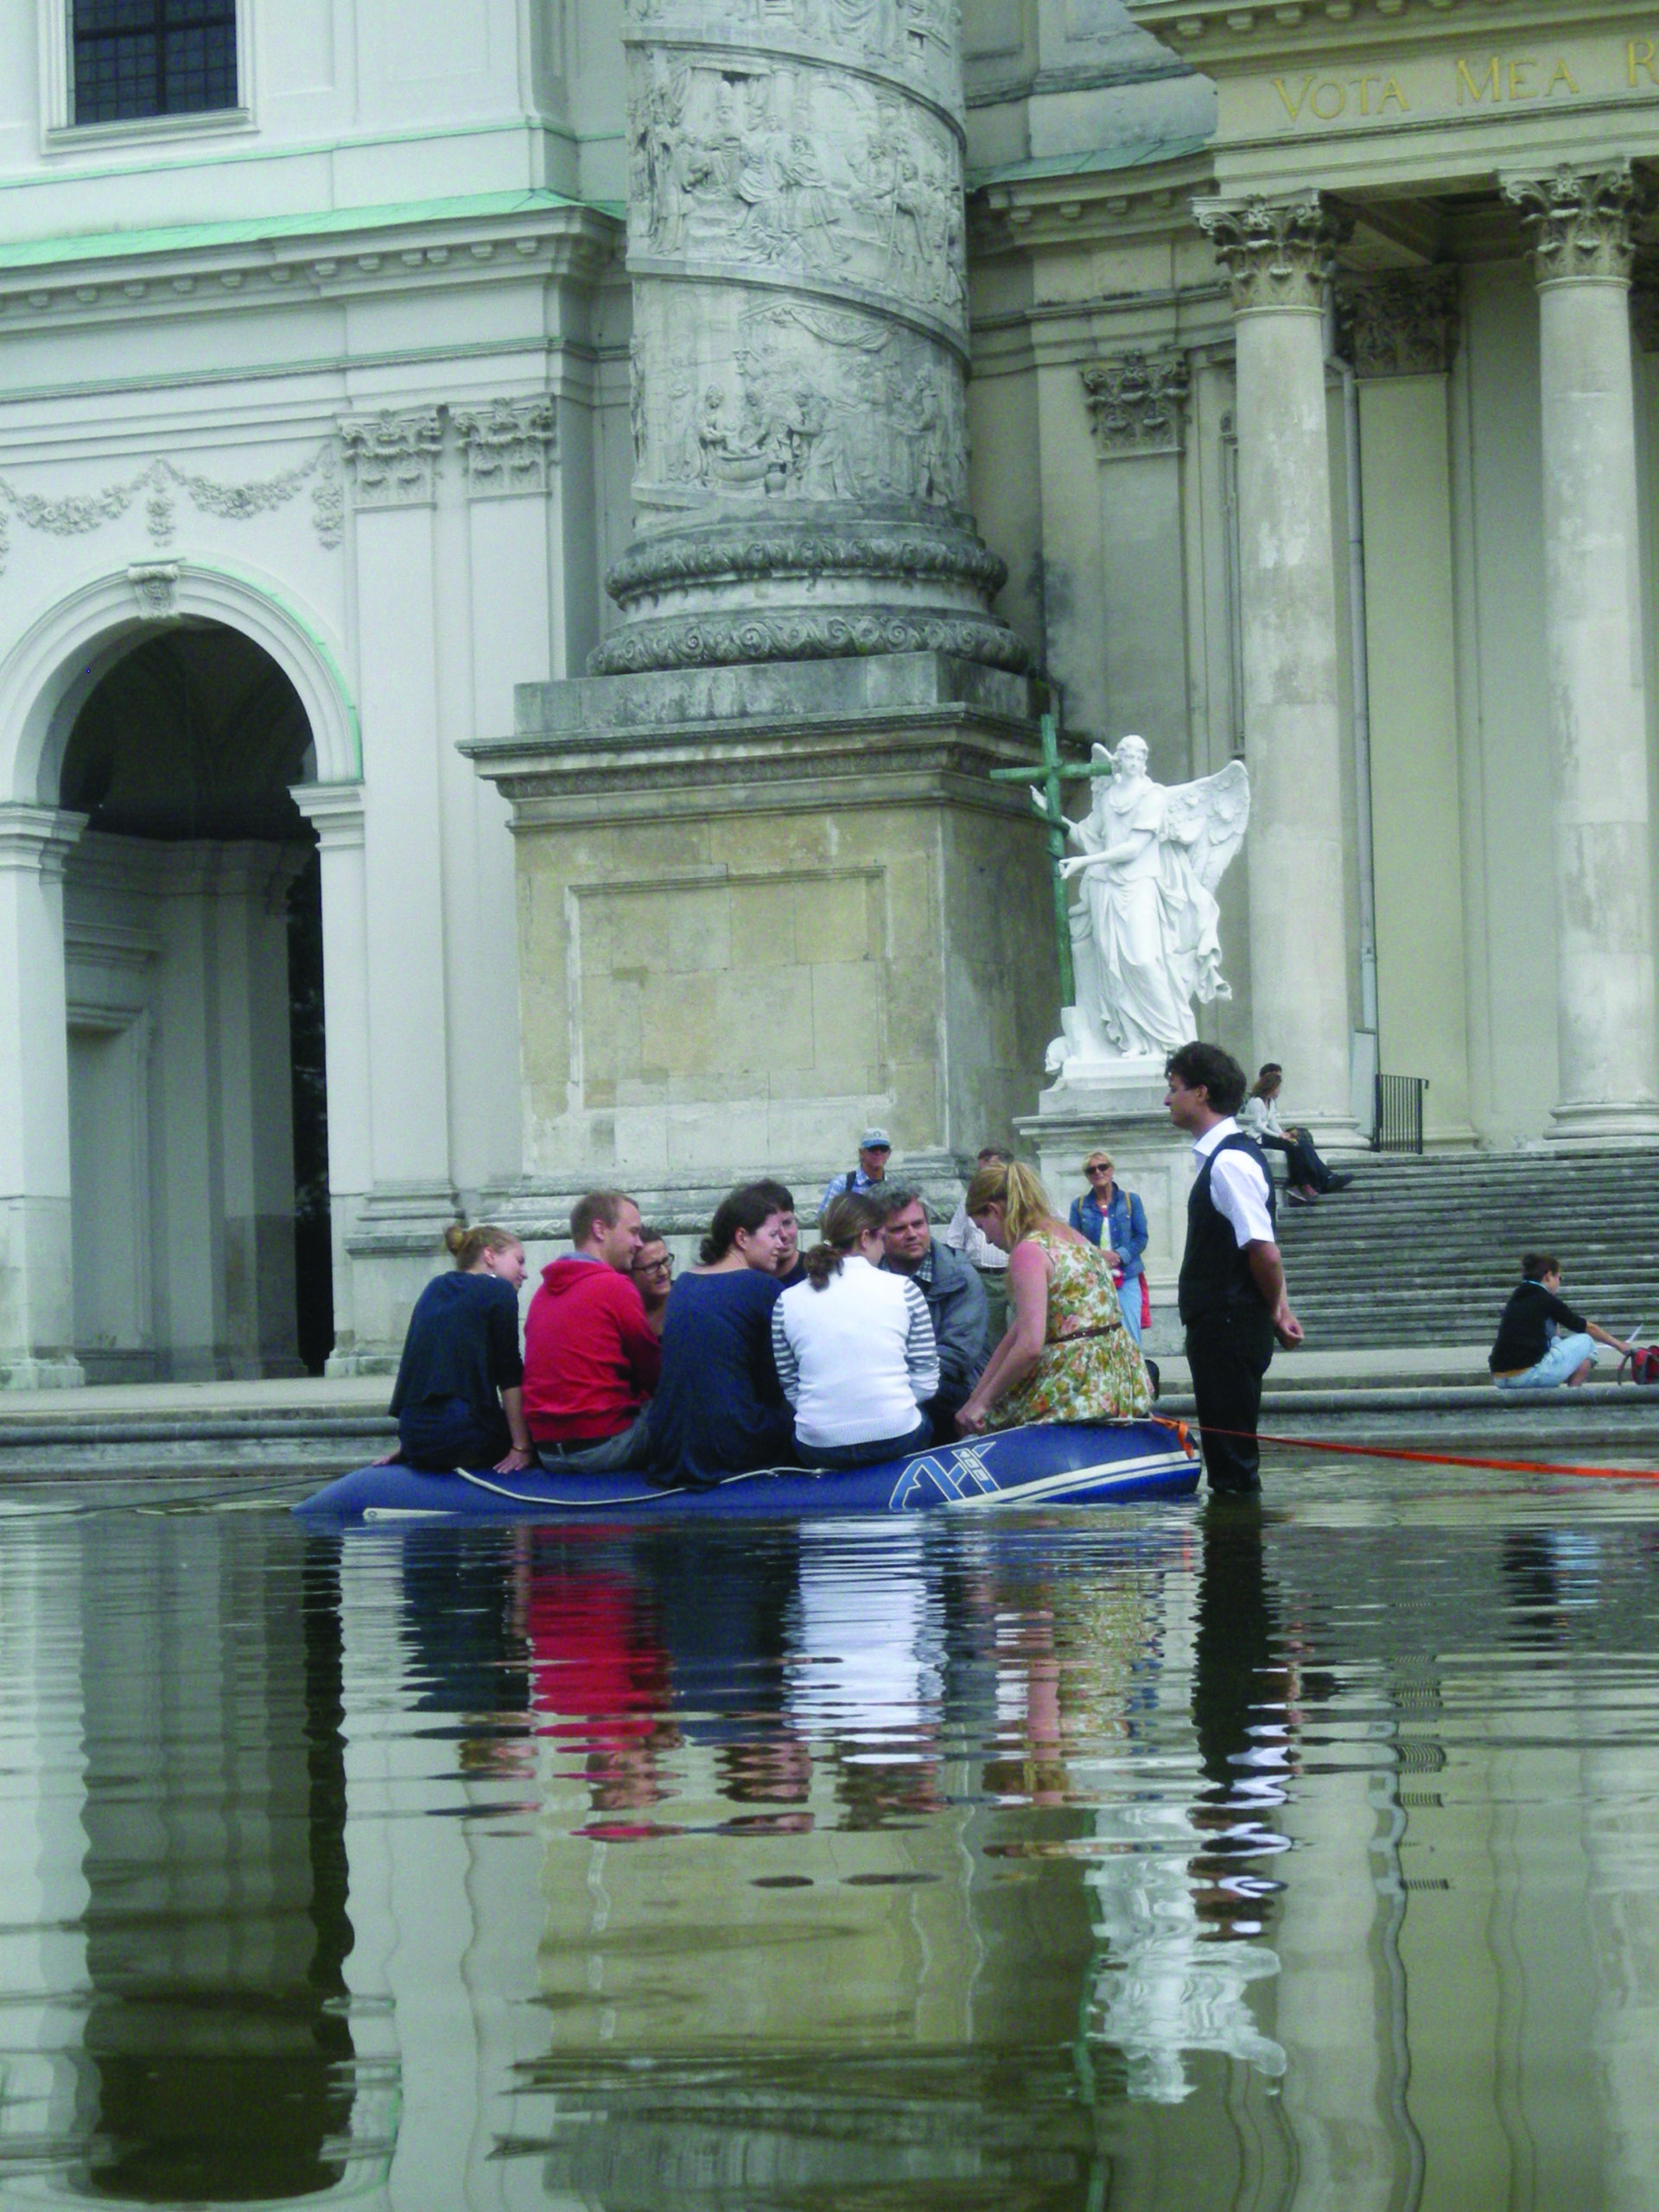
(591, 1361)
(459, 1397)
(792, 1269)
(652, 1269)
(1067, 1355)
(1542, 1342)
(719, 1409)
(854, 1347)
(955, 1303)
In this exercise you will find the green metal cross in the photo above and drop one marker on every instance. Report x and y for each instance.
(1050, 813)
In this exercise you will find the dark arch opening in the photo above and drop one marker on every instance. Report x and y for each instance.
(195, 938)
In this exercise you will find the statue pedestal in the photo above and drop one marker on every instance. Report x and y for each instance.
(1118, 1106)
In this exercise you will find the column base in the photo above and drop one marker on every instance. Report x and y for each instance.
(1601, 1124)
(64, 1372)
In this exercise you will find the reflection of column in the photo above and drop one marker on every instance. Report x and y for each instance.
(1276, 256)
(1605, 976)
(36, 1274)
(796, 242)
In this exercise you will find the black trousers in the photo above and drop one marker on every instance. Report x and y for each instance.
(1305, 1169)
(1228, 1356)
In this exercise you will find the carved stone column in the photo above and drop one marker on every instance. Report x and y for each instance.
(1276, 256)
(796, 241)
(1582, 224)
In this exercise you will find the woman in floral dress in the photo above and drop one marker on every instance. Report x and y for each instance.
(1066, 1356)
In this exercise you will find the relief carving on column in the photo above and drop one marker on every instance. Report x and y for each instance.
(917, 40)
(816, 403)
(736, 162)
(1138, 401)
(1583, 221)
(1403, 322)
(507, 446)
(1277, 253)
(395, 455)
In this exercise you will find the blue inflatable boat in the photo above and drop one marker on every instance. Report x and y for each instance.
(1055, 1465)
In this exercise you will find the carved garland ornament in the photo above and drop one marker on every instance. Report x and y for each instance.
(703, 641)
(1582, 221)
(1402, 324)
(1138, 402)
(1277, 253)
(79, 513)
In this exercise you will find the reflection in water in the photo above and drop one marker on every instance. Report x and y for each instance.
(214, 2048)
(1257, 1858)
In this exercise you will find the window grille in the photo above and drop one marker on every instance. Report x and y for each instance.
(137, 58)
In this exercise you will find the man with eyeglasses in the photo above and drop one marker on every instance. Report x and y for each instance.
(653, 1278)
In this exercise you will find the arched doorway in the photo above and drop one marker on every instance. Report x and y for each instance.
(192, 946)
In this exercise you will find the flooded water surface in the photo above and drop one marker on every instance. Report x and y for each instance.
(1200, 1858)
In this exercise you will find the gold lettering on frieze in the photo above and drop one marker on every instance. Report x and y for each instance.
(1638, 55)
(1477, 81)
(1328, 97)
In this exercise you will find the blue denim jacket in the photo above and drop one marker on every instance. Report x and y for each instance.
(1127, 1219)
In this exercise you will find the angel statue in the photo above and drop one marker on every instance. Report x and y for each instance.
(1145, 939)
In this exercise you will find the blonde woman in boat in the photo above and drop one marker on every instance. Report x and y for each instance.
(1067, 1355)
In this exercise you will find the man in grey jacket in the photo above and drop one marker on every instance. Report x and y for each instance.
(955, 1302)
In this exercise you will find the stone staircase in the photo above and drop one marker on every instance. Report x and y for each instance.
(1419, 1251)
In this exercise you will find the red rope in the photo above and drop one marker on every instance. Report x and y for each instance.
(1443, 1459)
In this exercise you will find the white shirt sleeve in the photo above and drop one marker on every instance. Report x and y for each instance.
(1240, 1192)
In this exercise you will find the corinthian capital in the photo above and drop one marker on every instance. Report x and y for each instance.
(1583, 222)
(1277, 253)
(1137, 400)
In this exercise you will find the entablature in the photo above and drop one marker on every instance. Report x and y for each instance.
(220, 267)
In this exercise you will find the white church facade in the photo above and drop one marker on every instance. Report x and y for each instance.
(1275, 390)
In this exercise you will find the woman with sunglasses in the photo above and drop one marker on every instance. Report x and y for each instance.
(1116, 1221)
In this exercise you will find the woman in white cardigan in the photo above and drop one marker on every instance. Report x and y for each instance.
(854, 1347)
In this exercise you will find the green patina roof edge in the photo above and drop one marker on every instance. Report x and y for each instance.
(257, 230)
(1141, 154)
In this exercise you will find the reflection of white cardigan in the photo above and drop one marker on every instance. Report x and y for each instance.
(857, 1357)
(1260, 1116)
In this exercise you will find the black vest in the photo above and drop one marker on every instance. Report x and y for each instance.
(1215, 1275)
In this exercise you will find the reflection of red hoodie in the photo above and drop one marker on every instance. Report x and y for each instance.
(590, 1358)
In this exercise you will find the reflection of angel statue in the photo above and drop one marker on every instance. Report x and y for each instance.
(1146, 937)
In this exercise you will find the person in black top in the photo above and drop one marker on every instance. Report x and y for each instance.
(1231, 1288)
(1540, 1341)
(458, 1397)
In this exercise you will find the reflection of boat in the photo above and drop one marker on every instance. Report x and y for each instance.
(1069, 1464)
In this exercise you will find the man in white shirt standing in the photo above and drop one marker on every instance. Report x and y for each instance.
(1231, 1289)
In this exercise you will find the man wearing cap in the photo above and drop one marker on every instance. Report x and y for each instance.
(873, 1146)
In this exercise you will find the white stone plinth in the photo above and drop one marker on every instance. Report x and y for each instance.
(1120, 1110)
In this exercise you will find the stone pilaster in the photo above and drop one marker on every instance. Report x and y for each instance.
(1137, 402)
(37, 1283)
(1583, 249)
(1277, 256)
(796, 243)
(1404, 322)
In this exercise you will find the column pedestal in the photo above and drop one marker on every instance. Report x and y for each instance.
(1604, 918)
(761, 907)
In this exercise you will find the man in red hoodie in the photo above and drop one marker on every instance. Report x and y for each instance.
(591, 1358)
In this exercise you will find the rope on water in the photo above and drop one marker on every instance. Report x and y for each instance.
(1442, 1458)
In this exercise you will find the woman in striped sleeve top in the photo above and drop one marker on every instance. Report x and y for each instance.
(854, 1347)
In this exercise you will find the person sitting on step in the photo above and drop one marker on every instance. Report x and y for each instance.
(1542, 1342)
(1306, 1175)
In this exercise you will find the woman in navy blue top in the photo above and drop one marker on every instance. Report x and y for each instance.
(719, 1409)
(459, 1397)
